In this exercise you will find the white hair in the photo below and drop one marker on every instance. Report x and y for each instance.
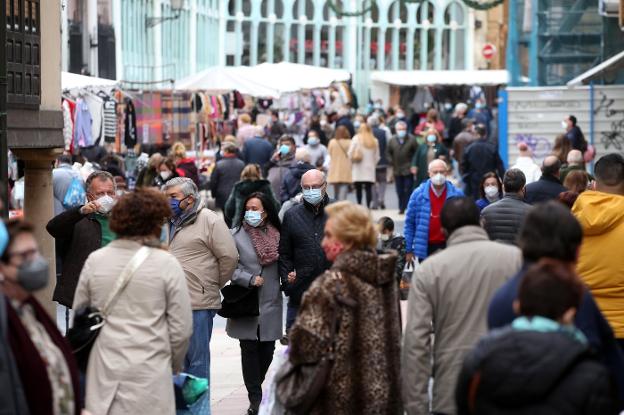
(187, 186)
(461, 107)
(302, 154)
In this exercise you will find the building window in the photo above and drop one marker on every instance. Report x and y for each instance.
(23, 53)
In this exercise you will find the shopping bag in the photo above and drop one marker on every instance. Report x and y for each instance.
(406, 277)
(270, 405)
(75, 195)
(191, 394)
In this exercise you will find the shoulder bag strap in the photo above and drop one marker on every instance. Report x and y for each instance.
(124, 278)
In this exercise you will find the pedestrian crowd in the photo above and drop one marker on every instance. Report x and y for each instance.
(515, 298)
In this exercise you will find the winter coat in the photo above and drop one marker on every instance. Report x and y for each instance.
(452, 291)
(300, 248)
(479, 158)
(203, 245)
(76, 236)
(533, 373)
(364, 377)
(545, 189)
(339, 162)
(187, 168)
(418, 216)
(234, 205)
(223, 178)
(292, 180)
(363, 170)
(589, 320)
(269, 323)
(532, 172)
(382, 140)
(345, 121)
(461, 141)
(146, 333)
(12, 393)
(400, 155)
(600, 266)
(396, 243)
(276, 171)
(502, 220)
(421, 162)
(257, 151)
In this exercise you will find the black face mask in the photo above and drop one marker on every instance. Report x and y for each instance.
(33, 275)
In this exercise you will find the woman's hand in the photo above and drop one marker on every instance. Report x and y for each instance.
(258, 281)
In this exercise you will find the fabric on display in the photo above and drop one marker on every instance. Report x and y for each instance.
(82, 125)
(130, 124)
(149, 118)
(69, 108)
(110, 118)
(96, 108)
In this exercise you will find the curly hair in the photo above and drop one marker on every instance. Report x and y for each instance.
(352, 225)
(140, 214)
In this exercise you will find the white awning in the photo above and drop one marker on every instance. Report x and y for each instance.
(222, 79)
(430, 78)
(611, 64)
(72, 80)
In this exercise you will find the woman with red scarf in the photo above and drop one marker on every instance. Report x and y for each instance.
(257, 240)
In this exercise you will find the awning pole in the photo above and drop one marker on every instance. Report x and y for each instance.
(591, 121)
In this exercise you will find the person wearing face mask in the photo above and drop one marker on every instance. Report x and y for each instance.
(423, 230)
(147, 330)
(430, 150)
(400, 152)
(202, 243)
(78, 232)
(166, 171)
(479, 158)
(481, 114)
(148, 175)
(360, 289)
(491, 190)
(315, 127)
(573, 134)
(503, 219)
(42, 374)
(301, 258)
(291, 185)
(282, 160)
(316, 150)
(225, 174)
(257, 241)
(389, 240)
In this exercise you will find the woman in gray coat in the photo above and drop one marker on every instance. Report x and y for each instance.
(257, 241)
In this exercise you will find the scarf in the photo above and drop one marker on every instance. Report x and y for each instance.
(265, 241)
(546, 325)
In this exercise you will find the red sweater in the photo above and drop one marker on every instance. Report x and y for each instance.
(436, 235)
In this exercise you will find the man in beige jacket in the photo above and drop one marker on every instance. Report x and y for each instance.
(201, 241)
(448, 298)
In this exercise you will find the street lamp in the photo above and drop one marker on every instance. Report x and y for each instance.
(176, 7)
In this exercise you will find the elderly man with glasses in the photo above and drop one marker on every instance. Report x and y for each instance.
(301, 258)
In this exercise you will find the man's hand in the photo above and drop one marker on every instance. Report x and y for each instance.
(90, 207)
(292, 276)
(258, 281)
(414, 170)
(409, 257)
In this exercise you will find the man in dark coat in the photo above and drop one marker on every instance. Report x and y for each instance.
(257, 150)
(548, 186)
(80, 231)
(225, 174)
(301, 258)
(502, 220)
(479, 158)
(291, 184)
(551, 231)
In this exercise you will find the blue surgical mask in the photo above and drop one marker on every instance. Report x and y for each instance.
(313, 141)
(253, 218)
(356, 124)
(175, 207)
(478, 105)
(313, 196)
(431, 138)
(4, 237)
(284, 149)
(401, 133)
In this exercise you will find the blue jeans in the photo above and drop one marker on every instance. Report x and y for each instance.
(197, 360)
(404, 186)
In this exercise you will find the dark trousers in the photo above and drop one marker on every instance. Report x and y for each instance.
(404, 186)
(256, 357)
(433, 248)
(368, 188)
(291, 315)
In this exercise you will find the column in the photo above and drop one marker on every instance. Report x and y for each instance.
(92, 24)
(117, 26)
(193, 38)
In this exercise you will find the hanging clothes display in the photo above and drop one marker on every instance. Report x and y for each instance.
(109, 128)
(82, 125)
(96, 108)
(130, 124)
(69, 109)
(149, 118)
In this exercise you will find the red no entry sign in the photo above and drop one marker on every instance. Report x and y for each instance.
(489, 50)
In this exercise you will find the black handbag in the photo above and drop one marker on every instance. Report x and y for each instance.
(239, 302)
(88, 321)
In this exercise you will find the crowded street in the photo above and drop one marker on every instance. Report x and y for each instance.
(312, 207)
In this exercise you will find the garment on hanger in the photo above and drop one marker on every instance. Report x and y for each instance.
(68, 122)
(96, 108)
(109, 117)
(130, 124)
(82, 125)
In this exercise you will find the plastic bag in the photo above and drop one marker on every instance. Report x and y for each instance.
(406, 277)
(270, 405)
(75, 195)
(192, 394)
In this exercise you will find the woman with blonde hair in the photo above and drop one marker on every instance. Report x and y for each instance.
(364, 155)
(185, 166)
(353, 311)
(339, 170)
(251, 181)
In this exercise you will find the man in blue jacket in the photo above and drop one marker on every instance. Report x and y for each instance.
(551, 231)
(423, 228)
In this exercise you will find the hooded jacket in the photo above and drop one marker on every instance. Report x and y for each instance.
(364, 377)
(291, 185)
(602, 217)
(533, 373)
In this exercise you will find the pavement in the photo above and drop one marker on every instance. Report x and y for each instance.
(227, 389)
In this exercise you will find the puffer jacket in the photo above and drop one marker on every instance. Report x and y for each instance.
(502, 220)
(300, 248)
(291, 185)
(602, 217)
(533, 373)
(365, 375)
(418, 216)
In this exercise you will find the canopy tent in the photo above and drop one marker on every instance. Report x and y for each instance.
(219, 79)
(612, 64)
(71, 81)
(264, 80)
(430, 78)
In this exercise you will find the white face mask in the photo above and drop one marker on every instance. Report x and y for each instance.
(384, 237)
(491, 191)
(165, 174)
(564, 125)
(438, 179)
(106, 204)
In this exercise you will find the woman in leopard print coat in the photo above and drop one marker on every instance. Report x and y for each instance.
(364, 378)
